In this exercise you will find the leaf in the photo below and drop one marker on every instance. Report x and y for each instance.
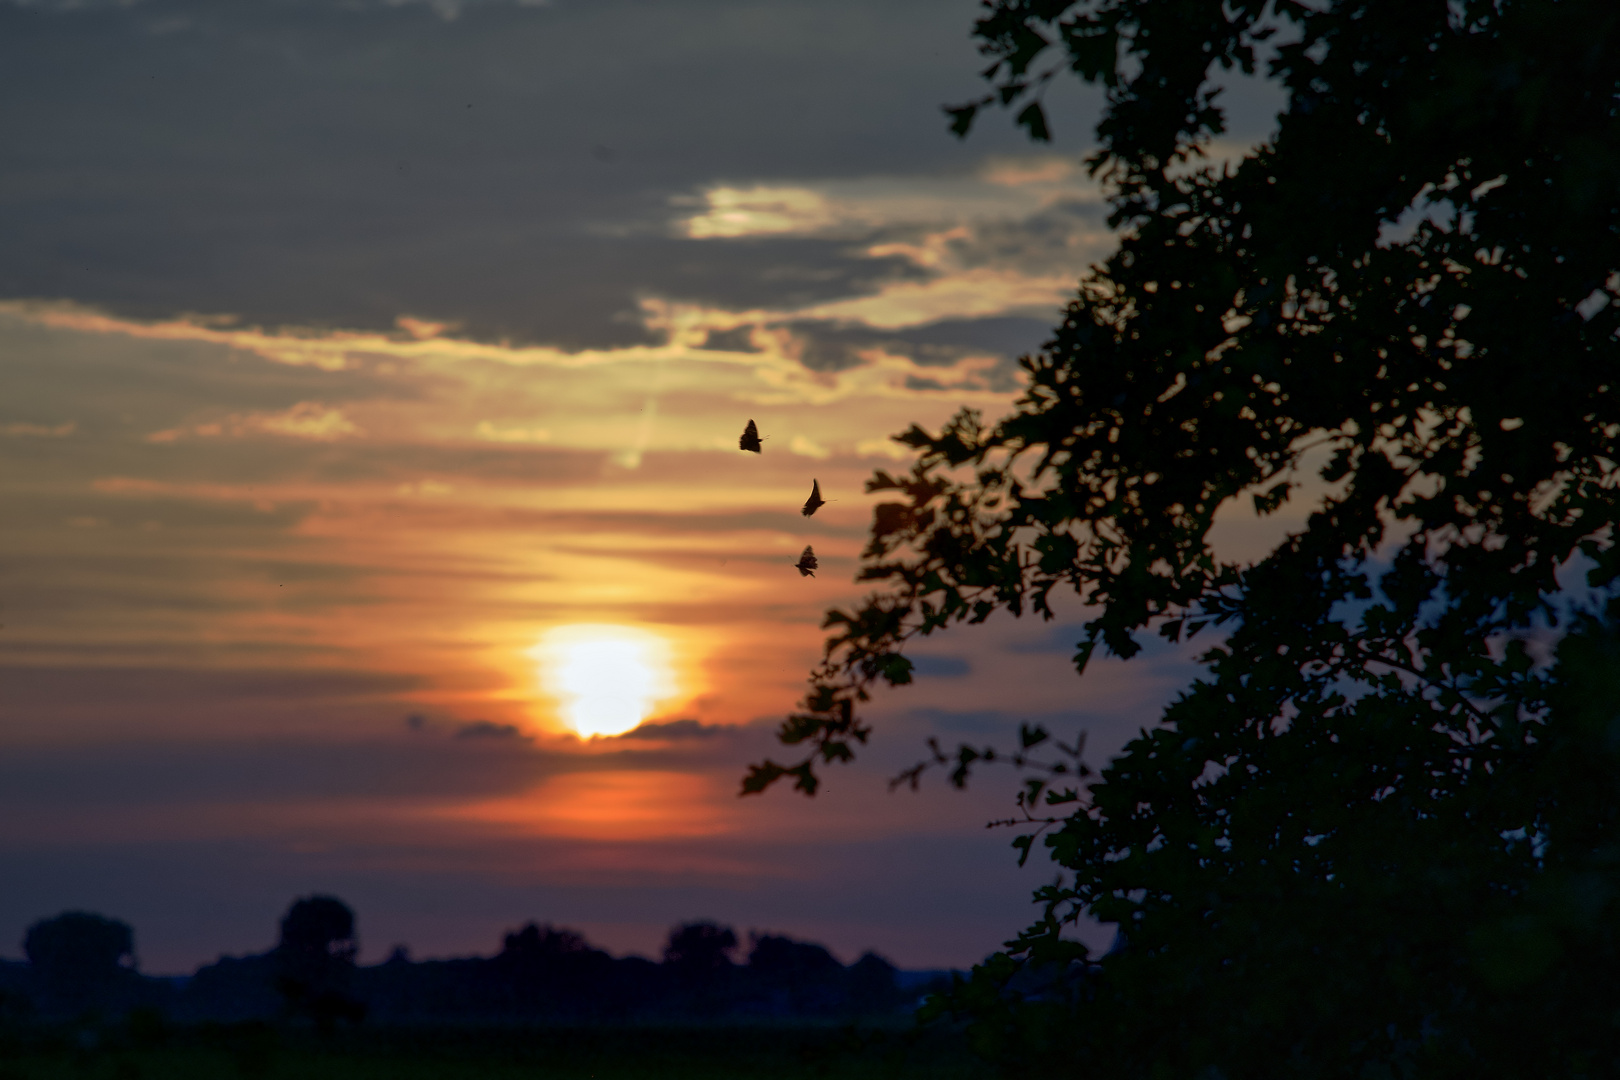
(893, 668)
(1032, 118)
(761, 776)
(961, 119)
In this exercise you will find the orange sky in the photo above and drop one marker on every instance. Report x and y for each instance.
(350, 352)
(380, 526)
(360, 554)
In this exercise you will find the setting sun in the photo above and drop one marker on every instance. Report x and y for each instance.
(606, 678)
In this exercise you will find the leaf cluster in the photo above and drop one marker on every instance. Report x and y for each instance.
(1459, 380)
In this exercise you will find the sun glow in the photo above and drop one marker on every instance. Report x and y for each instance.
(606, 678)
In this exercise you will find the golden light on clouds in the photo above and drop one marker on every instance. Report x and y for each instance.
(606, 679)
(759, 211)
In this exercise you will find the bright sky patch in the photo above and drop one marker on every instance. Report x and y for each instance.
(606, 678)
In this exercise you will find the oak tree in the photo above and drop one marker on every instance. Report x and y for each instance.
(1378, 835)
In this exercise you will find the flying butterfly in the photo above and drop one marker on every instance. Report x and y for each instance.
(807, 562)
(815, 501)
(750, 438)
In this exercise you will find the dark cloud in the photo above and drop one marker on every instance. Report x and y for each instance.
(823, 355)
(832, 346)
(934, 342)
(940, 666)
(735, 340)
(676, 729)
(1059, 638)
(488, 729)
(966, 722)
(1062, 238)
(35, 692)
(42, 781)
(341, 164)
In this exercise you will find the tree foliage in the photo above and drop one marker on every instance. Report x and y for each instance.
(700, 946)
(1378, 833)
(320, 925)
(78, 946)
(315, 961)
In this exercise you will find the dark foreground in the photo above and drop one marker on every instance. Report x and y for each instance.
(263, 1052)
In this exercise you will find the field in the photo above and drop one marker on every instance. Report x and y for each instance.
(261, 1052)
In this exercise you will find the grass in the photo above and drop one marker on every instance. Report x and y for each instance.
(260, 1052)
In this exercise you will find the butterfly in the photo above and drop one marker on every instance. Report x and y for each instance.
(750, 438)
(815, 501)
(807, 562)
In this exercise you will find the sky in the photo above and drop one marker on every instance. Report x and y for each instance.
(371, 374)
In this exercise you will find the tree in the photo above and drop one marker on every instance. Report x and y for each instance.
(82, 961)
(319, 925)
(78, 946)
(537, 945)
(698, 961)
(700, 947)
(314, 961)
(1355, 846)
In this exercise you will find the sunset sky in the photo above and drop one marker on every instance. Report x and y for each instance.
(365, 364)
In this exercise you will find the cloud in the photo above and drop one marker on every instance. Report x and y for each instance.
(395, 364)
(1001, 190)
(488, 729)
(23, 430)
(487, 430)
(677, 729)
(884, 448)
(976, 293)
(735, 339)
(446, 185)
(951, 667)
(1023, 172)
(1007, 240)
(306, 420)
(808, 448)
(730, 213)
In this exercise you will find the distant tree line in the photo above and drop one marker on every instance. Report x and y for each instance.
(83, 965)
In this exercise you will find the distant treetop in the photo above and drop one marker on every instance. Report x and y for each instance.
(320, 924)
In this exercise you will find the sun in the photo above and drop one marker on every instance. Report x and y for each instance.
(606, 678)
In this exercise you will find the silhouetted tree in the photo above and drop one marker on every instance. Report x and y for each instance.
(539, 944)
(700, 946)
(79, 946)
(698, 959)
(551, 971)
(314, 962)
(319, 925)
(1370, 840)
(873, 986)
(798, 976)
(81, 960)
